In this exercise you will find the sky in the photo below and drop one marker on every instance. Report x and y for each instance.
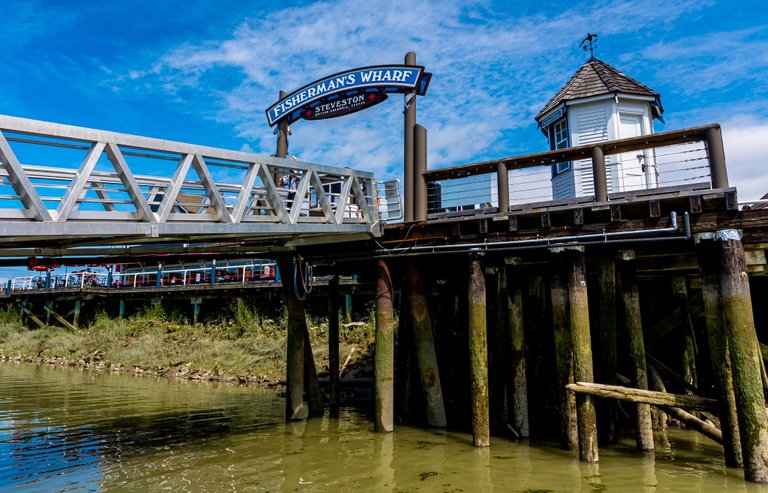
(205, 71)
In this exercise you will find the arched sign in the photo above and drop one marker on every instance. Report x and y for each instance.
(348, 92)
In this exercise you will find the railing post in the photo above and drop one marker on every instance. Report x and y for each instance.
(213, 273)
(48, 280)
(9, 287)
(598, 174)
(502, 182)
(82, 280)
(717, 169)
(159, 277)
(109, 277)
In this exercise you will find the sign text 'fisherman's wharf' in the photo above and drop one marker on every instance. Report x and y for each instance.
(311, 100)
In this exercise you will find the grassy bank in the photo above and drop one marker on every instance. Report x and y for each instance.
(247, 347)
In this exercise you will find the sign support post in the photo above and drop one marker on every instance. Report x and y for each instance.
(409, 124)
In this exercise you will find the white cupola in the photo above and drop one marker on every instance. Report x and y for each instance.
(600, 103)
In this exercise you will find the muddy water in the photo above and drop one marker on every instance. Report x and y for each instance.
(67, 430)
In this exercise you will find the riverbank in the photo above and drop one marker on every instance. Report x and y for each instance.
(247, 349)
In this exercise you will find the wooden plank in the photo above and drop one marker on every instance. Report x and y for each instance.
(578, 217)
(615, 213)
(512, 224)
(61, 319)
(546, 220)
(654, 209)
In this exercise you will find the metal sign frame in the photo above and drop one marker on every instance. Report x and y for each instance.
(387, 78)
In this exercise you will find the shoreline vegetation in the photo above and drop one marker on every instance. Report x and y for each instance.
(243, 348)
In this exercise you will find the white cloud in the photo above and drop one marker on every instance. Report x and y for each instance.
(746, 152)
(491, 75)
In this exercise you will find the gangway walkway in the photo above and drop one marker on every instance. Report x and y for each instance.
(64, 186)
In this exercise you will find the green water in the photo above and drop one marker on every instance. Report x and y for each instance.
(67, 430)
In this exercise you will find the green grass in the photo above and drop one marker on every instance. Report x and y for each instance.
(246, 343)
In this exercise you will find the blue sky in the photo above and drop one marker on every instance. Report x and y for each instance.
(205, 71)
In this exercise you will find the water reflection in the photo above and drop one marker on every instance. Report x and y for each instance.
(63, 430)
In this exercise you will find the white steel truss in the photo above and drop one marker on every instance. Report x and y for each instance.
(65, 184)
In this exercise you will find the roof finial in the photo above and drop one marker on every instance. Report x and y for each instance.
(587, 44)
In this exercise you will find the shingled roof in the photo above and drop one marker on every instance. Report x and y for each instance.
(596, 78)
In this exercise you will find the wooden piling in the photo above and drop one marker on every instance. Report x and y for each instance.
(688, 341)
(76, 315)
(425, 346)
(384, 356)
(294, 393)
(739, 324)
(563, 355)
(578, 307)
(606, 342)
(311, 383)
(478, 354)
(333, 343)
(633, 326)
(518, 393)
(121, 310)
(709, 262)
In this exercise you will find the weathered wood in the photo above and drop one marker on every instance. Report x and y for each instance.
(384, 355)
(425, 346)
(61, 319)
(518, 393)
(709, 262)
(31, 315)
(606, 343)
(707, 429)
(630, 310)
(333, 343)
(680, 299)
(739, 324)
(643, 396)
(311, 383)
(478, 354)
(578, 309)
(563, 356)
(294, 392)
(658, 417)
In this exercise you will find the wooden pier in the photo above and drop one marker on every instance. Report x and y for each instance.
(514, 318)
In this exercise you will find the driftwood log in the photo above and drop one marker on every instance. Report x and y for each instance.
(644, 396)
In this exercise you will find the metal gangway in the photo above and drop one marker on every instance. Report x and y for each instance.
(67, 187)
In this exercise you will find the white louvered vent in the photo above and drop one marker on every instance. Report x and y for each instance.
(591, 127)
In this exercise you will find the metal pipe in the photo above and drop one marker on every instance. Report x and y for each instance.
(544, 241)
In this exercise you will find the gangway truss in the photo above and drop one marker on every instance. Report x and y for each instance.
(66, 186)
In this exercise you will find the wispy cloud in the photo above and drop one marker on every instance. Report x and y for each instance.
(491, 75)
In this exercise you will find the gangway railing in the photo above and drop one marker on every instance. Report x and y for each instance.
(74, 184)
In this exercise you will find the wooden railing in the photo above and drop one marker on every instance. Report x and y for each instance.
(711, 151)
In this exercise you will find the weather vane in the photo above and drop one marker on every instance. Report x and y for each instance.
(587, 44)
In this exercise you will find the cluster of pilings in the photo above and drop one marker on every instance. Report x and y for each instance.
(498, 321)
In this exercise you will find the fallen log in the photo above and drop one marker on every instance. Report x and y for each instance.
(707, 429)
(643, 396)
